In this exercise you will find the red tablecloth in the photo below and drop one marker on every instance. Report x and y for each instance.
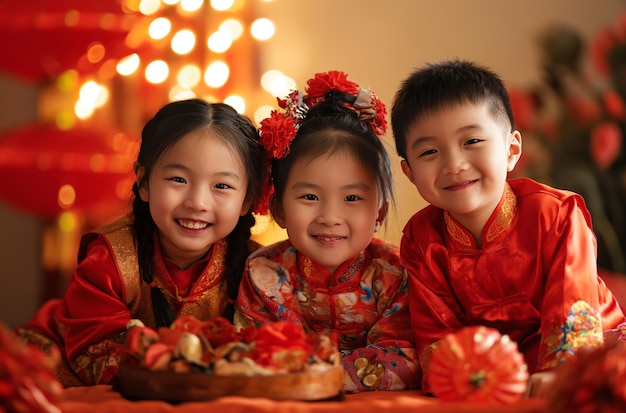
(100, 399)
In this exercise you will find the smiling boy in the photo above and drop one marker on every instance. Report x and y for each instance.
(515, 255)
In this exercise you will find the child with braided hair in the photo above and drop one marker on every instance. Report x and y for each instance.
(180, 252)
(332, 186)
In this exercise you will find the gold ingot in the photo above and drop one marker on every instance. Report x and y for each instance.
(370, 380)
(361, 362)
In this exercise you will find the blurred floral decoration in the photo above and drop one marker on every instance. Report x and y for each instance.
(27, 381)
(594, 381)
(573, 126)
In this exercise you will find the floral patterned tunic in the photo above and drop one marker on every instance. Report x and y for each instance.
(365, 301)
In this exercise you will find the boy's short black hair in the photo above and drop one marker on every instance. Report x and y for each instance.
(446, 83)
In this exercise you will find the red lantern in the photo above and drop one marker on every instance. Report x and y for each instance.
(40, 39)
(47, 170)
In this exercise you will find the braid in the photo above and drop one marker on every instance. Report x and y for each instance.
(163, 313)
(144, 232)
(236, 256)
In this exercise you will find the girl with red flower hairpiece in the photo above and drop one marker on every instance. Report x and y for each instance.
(331, 186)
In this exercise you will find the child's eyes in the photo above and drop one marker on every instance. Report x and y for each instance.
(428, 152)
(348, 198)
(180, 180)
(471, 141)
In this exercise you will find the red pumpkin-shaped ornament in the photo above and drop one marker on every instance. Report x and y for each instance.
(477, 364)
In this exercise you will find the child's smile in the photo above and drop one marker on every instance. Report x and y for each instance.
(329, 208)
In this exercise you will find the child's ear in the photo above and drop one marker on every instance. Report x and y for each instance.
(141, 186)
(514, 151)
(382, 212)
(406, 168)
(245, 208)
(277, 211)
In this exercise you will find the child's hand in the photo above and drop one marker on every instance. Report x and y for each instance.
(539, 384)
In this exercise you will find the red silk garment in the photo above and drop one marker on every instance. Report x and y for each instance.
(535, 277)
(89, 322)
(364, 301)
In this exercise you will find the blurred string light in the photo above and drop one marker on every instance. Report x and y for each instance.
(277, 84)
(189, 48)
(182, 49)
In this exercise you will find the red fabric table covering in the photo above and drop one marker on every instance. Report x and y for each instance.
(100, 399)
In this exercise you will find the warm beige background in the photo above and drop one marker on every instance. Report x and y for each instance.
(376, 42)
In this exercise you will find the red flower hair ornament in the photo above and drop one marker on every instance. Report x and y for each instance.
(280, 128)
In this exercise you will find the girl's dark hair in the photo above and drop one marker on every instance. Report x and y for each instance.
(171, 123)
(330, 127)
(438, 85)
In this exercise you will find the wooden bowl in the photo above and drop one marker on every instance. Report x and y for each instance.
(142, 384)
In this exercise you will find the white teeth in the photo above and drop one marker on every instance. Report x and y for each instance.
(328, 238)
(192, 224)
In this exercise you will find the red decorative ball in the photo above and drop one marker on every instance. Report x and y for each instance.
(477, 364)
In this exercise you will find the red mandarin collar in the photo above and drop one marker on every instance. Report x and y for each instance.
(499, 222)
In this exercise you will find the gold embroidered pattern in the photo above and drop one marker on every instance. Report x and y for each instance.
(306, 266)
(505, 215)
(208, 296)
(581, 328)
(455, 231)
(121, 241)
(206, 299)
